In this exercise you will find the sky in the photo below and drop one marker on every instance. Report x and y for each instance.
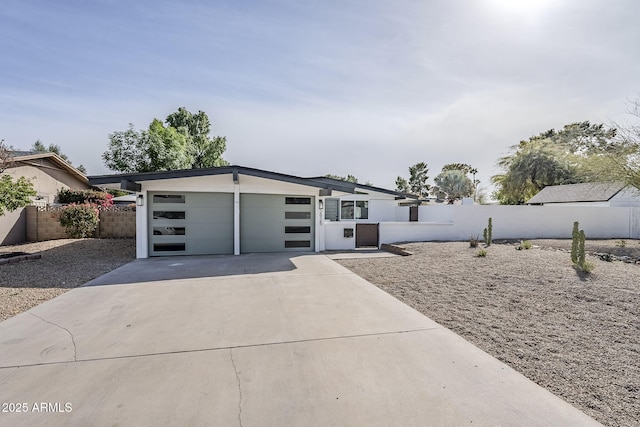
(308, 88)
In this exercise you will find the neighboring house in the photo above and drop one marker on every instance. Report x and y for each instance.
(587, 194)
(49, 173)
(236, 209)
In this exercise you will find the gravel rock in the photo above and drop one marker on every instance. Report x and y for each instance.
(65, 264)
(576, 335)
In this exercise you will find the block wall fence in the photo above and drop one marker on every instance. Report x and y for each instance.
(115, 222)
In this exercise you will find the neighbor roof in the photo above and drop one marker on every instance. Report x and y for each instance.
(586, 192)
(28, 158)
(321, 182)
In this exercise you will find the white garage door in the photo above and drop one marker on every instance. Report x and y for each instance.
(190, 223)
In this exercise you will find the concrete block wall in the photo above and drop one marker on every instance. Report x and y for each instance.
(115, 224)
(44, 224)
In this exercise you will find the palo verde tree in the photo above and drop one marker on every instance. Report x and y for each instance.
(182, 142)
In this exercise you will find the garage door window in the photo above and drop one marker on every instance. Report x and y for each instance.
(358, 209)
(169, 214)
(169, 198)
(297, 200)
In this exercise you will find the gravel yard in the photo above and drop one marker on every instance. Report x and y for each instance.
(65, 264)
(577, 336)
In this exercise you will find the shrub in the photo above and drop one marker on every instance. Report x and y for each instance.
(473, 241)
(79, 220)
(102, 199)
(524, 245)
(481, 253)
(621, 243)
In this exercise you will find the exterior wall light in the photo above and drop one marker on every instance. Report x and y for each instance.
(140, 200)
(321, 204)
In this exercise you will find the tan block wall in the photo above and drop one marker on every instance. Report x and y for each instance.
(45, 224)
(117, 224)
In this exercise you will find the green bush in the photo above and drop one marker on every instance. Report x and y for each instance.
(79, 221)
(481, 253)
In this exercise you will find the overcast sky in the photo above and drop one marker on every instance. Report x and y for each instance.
(314, 87)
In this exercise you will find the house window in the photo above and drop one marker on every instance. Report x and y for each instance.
(358, 209)
(331, 209)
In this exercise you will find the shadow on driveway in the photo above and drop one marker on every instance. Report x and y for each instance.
(192, 267)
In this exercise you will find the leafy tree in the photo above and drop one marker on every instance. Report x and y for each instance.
(348, 178)
(402, 185)
(39, 147)
(418, 176)
(468, 170)
(206, 152)
(14, 195)
(5, 157)
(552, 158)
(184, 143)
(454, 183)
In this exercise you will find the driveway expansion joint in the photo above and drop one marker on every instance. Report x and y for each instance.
(75, 349)
(230, 348)
(235, 369)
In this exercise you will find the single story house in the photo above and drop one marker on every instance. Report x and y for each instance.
(237, 209)
(602, 194)
(49, 173)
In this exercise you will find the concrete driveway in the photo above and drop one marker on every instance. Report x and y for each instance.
(252, 340)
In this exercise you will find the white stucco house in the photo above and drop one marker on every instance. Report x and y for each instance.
(236, 209)
(602, 194)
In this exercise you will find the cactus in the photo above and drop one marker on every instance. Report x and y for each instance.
(574, 243)
(490, 232)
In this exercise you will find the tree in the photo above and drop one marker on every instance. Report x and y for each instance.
(551, 158)
(206, 152)
(14, 195)
(467, 169)
(348, 178)
(5, 157)
(418, 176)
(39, 147)
(454, 183)
(184, 143)
(402, 185)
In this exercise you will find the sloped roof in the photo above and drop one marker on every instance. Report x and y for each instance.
(586, 192)
(20, 158)
(318, 182)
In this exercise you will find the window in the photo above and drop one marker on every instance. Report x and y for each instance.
(358, 209)
(346, 209)
(174, 231)
(297, 215)
(331, 209)
(168, 198)
(298, 230)
(168, 247)
(297, 243)
(168, 215)
(297, 200)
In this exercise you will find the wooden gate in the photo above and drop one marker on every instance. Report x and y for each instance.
(366, 235)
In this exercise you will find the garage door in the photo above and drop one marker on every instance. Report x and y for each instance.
(190, 223)
(276, 223)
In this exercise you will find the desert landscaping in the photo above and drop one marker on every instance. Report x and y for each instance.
(576, 335)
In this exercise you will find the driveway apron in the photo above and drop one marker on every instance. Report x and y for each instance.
(252, 340)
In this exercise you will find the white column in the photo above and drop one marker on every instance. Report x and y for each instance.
(142, 226)
(236, 219)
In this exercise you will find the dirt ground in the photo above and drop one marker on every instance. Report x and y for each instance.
(65, 264)
(578, 336)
